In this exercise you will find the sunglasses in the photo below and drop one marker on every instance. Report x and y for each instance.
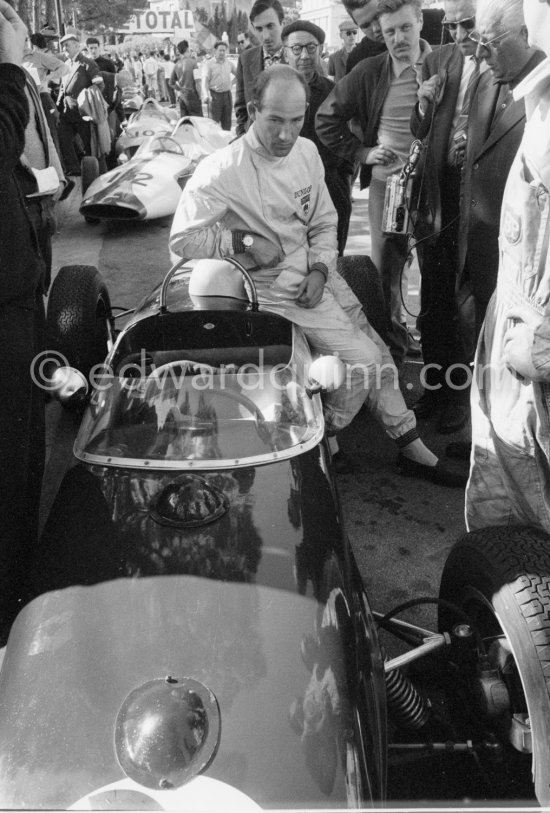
(351, 33)
(311, 47)
(241, 42)
(468, 23)
(481, 43)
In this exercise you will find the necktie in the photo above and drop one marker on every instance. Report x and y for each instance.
(459, 132)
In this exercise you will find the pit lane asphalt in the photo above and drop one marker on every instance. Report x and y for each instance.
(401, 528)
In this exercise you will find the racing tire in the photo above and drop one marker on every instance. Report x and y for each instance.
(501, 578)
(79, 321)
(89, 171)
(363, 278)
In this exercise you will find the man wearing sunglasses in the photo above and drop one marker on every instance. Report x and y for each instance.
(243, 41)
(337, 61)
(303, 43)
(510, 395)
(450, 76)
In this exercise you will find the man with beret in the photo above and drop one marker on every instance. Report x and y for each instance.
(303, 43)
(83, 72)
(338, 60)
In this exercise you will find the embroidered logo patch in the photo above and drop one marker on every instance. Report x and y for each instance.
(305, 198)
(511, 226)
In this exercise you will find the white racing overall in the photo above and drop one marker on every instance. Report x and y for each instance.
(242, 187)
(510, 475)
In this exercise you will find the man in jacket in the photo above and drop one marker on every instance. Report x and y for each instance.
(266, 18)
(83, 72)
(440, 118)
(303, 44)
(380, 94)
(21, 334)
(338, 60)
(510, 468)
(263, 198)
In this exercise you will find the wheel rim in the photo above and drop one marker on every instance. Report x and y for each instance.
(502, 656)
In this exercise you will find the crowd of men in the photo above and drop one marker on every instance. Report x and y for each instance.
(470, 115)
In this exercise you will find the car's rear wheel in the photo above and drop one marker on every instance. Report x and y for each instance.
(89, 171)
(79, 320)
(363, 278)
(501, 578)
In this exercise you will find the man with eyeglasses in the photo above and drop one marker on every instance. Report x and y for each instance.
(303, 43)
(243, 41)
(338, 60)
(510, 469)
(266, 18)
(440, 118)
(380, 94)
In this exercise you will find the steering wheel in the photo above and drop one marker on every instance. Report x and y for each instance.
(170, 365)
(238, 397)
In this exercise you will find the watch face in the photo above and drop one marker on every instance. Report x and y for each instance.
(248, 241)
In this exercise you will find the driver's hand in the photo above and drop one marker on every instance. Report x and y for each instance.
(310, 291)
(264, 252)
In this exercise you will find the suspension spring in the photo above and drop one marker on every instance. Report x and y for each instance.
(408, 709)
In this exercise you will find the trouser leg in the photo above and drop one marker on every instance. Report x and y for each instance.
(21, 452)
(338, 186)
(389, 253)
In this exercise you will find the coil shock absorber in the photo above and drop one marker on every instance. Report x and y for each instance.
(407, 707)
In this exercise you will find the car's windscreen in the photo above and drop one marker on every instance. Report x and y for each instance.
(185, 414)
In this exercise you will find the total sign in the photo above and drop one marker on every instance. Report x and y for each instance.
(158, 21)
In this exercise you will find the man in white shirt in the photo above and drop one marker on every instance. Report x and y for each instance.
(216, 85)
(150, 71)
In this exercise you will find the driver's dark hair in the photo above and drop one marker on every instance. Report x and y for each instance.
(218, 43)
(182, 46)
(264, 5)
(277, 73)
(92, 41)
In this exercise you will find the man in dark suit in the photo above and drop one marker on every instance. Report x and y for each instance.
(450, 77)
(266, 18)
(82, 73)
(495, 129)
(22, 447)
(303, 43)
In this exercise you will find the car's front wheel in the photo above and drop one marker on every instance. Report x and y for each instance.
(501, 578)
(79, 320)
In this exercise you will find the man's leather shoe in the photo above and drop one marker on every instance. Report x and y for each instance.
(426, 405)
(342, 464)
(438, 474)
(453, 418)
(459, 450)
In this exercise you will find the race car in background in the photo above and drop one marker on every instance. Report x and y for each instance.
(149, 184)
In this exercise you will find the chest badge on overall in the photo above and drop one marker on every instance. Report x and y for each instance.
(511, 226)
(305, 198)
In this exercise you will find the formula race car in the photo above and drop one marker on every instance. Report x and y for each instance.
(151, 118)
(149, 184)
(197, 635)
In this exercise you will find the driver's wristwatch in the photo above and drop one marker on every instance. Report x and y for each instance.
(241, 242)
